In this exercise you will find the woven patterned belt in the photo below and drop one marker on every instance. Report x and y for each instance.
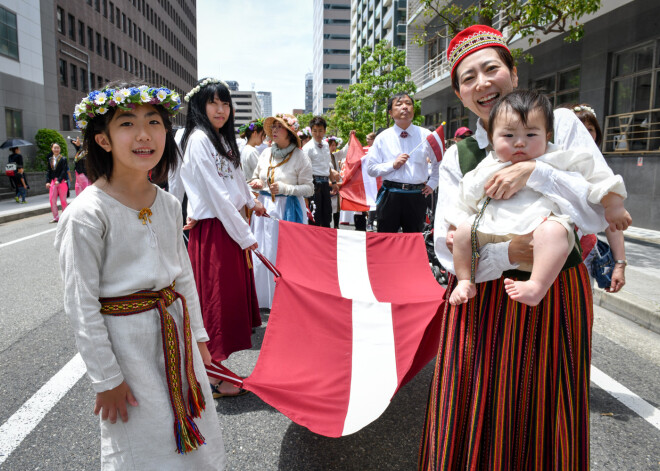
(186, 433)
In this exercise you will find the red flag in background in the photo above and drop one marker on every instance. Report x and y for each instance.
(356, 315)
(437, 142)
(358, 190)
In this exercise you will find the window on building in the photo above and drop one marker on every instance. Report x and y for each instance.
(74, 77)
(59, 16)
(99, 46)
(14, 123)
(112, 12)
(118, 17)
(92, 79)
(90, 38)
(99, 82)
(72, 27)
(83, 80)
(561, 87)
(66, 122)
(633, 122)
(123, 22)
(456, 117)
(113, 53)
(8, 34)
(81, 33)
(105, 8)
(119, 56)
(97, 5)
(63, 73)
(106, 48)
(130, 28)
(125, 61)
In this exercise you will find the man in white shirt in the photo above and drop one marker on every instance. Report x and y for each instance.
(400, 156)
(318, 152)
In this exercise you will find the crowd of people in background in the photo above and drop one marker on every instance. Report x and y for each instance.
(511, 383)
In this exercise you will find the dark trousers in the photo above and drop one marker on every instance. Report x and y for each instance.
(401, 210)
(360, 220)
(322, 204)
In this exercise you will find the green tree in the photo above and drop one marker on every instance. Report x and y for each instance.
(363, 105)
(515, 18)
(44, 139)
(304, 119)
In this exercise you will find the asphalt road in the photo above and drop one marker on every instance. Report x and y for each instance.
(36, 342)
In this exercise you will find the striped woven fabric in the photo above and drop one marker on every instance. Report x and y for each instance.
(511, 383)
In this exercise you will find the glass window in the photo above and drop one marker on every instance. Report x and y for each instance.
(8, 34)
(98, 43)
(97, 5)
(90, 38)
(113, 53)
(105, 8)
(83, 80)
(74, 77)
(66, 122)
(63, 73)
(633, 124)
(81, 33)
(14, 123)
(72, 27)
(561, 87)
(106, 48)
(60, 20)
(112, 12)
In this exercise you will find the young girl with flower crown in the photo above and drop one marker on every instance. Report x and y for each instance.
(129, 289)
(221, 240)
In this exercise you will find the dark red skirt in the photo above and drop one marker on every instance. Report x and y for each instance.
(226, 289)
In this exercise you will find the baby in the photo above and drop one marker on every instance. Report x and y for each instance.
(521, 124)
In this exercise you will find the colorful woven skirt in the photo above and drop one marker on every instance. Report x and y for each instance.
(511, 382)
(225, 284)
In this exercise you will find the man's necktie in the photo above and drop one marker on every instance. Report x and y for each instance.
(404, 134)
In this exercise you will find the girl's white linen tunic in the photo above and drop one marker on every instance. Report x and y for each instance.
(106, 251)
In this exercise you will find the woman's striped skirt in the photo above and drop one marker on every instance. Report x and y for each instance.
(511, 384)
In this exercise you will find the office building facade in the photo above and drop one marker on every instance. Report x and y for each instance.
(266, 102)
(246, 107)
(331, 52)
(373, 21)
(309, 93)
(28, 90)
(98, 41)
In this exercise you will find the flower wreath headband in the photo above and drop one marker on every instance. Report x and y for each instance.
(252, 126)
(586, 108)
(203, 84)
(98, 102)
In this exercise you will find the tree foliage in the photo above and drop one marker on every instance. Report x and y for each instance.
(515, 18)
(304, 119)
(363, 105)
(44, 139)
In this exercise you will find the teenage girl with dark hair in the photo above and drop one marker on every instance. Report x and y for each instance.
(255, 134)
(221, 240)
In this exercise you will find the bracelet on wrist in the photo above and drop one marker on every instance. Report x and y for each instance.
(621, 262)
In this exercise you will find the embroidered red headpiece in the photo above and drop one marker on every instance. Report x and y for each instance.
(470, 40)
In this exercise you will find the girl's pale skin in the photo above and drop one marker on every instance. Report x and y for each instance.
(136, 140)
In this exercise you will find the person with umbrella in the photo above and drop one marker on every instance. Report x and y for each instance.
(17, 159)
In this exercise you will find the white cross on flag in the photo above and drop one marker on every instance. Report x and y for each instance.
(355, 316)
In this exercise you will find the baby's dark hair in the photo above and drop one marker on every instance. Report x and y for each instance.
(197, 118)
(521, 102)
(99, 162)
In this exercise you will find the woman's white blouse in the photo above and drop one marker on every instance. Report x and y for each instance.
(294, 177)
(215, 188)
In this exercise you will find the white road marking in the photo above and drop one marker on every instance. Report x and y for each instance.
(26, 238)
(626, 396)
(28, 416)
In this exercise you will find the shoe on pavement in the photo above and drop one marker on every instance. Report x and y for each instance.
(23, 202)
(16, 198)
(54, 221)
(215, 389)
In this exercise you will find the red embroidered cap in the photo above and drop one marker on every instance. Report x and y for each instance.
(470, 40)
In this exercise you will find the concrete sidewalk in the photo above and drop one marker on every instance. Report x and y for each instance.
(639, 300)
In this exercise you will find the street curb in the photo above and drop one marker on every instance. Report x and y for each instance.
(25, 214)
(635, 308)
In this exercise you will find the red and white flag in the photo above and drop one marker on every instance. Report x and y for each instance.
(356, 315)
(358, 190)
(437, 142)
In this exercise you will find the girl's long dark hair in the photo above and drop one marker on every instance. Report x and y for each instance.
(197, 118)
(99, 162)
